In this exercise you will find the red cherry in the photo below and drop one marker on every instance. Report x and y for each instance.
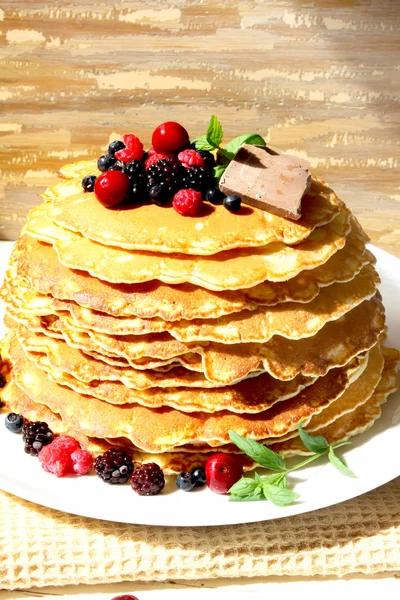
(111, 188)
(170, 138)
(125, 597)
(222, 471)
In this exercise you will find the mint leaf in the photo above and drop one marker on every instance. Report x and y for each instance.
(214, 132)
(247, 489)
(244, 487)
(278, 495)
(278, 479)
(247, 138)
(259, 453)
(201, 143)
(314, 443)
(257, 495)
(219, 171)
(339, 464)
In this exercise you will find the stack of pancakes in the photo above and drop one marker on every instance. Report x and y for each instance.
(139, 327)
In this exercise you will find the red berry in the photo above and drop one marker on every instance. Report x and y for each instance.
(151, 151)
(55, 460)
(111, 187)
(82, 461)
(170, 138)
(153, 158)
(191, 158)
(124, 597)
(188, 202)
(222, 471)
(66, 442)
(134, 149)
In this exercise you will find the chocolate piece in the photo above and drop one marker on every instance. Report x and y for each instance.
(272, 182)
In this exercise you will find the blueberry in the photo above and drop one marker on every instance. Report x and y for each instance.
(199, 476)
(88, 183)
(215, 196)
(14, 422)
(116, 167)
(115, 147)
(232, 202)
(185, 481)
(105, 162)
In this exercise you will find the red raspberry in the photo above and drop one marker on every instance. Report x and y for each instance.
(153, 158)
(82, 461)
(170, 138)
(66, 442)
(191, 158)
(55, 460)
(111, 187)
(151, 151)
(134, 149)
(188, 202)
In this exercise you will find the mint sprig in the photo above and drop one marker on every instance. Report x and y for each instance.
(274, 487)
(212, 141)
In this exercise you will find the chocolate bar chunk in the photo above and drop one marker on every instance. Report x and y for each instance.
(272, 182)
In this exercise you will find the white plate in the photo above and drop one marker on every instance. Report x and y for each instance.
(374, 458)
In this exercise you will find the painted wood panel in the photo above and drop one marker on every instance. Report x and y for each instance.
(318, 78)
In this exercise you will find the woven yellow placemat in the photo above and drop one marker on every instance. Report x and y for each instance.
(41, 546)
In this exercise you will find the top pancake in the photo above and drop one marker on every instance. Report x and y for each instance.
(241, 268)
(152, 228)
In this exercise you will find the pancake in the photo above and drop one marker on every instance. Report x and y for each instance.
(243, 267)
(292, 320)
(171, 462)
(38, 263)
(115, 385)
(160, 430)
(147, 227)
(356, 421)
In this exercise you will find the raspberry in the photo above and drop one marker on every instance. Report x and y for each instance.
(148, 480)
(66, 442)
(36, 434)
(82, 461)
(188, 202)
(134, 149)
(191, 158)
(114, 466)
(55, 460)
(153, 158)
(128, 154)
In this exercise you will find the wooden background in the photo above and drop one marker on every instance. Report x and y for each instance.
(319, 78)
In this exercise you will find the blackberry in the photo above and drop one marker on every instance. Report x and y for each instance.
(138, 183)
(148, 480)
(14, 422)
(115, 146)
(105, 162)
(135, 171)
(164, 178)
(88, 183)
(114, 466)
(208, 157)
(198, 178)
(36, 434)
